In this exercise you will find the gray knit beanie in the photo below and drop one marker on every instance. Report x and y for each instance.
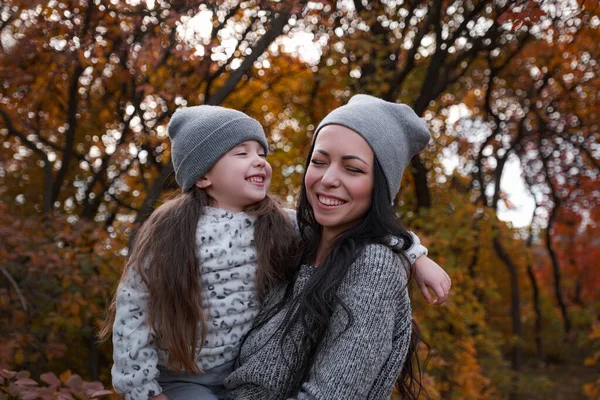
(394, 132)
(201, 135)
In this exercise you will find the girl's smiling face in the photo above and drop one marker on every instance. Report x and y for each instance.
(339, 178)
(240, 178)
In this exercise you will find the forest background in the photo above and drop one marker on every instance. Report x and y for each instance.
(87, 89)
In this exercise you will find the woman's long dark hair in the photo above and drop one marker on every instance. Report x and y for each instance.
(312, 309)
(168, 240)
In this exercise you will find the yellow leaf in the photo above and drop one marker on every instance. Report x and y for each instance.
(65, 376)
(593, 360)
(19, 357)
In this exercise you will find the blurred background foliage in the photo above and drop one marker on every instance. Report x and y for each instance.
(88, 86)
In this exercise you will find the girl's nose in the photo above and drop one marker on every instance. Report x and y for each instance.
(259, 162)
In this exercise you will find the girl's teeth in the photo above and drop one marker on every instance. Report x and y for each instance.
(330, 202)
(256, 179)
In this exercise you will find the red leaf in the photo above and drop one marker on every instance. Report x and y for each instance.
(64, 394)
(75, 382)
(91, 387)
(50, 379)
(28, 395)
(14, 390)
(502, 18)
(25, 382)
(7, 374)
(23, 374)
(101, 393)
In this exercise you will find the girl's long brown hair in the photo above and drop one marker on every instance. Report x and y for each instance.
(164, 253)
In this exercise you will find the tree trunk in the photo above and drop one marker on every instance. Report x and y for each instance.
(536, 294)
(538, 310)
(93, 359)
(556, 271)
(515, 311)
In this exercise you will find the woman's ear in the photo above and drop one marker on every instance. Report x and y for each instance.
(203, 182)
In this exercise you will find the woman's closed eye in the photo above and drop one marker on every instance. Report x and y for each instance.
(317, 162)
(355, 170)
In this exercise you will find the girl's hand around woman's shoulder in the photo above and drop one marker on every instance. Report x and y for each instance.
(429, 275)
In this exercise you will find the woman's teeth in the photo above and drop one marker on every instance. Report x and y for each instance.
(330, 202)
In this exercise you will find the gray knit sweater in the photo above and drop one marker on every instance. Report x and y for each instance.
(362, 363)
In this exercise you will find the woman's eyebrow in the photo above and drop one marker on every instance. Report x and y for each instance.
(347, 157)
(351, 157)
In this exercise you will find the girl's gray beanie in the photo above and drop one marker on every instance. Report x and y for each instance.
(201, 135)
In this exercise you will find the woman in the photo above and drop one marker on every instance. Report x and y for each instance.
(342, 329)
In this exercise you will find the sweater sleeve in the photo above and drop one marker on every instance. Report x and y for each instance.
(416, 250)
(413, 252)
(351, 362)
(135, 368)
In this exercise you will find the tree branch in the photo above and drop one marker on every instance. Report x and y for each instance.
(259, 48)
(15, 286)
(47, 206)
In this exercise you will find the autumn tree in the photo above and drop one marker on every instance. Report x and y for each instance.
(88, 88)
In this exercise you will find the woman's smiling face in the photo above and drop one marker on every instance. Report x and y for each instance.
(339, 178)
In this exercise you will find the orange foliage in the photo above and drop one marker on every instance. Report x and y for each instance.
(592, 389)
(88, 88)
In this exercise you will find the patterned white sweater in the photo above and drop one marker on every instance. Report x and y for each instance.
(227, 256)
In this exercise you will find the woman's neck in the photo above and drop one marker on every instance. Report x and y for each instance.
(327, 239)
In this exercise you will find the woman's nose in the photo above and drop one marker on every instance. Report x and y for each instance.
(330, 177)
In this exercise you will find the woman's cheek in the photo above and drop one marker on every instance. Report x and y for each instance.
(310, 178)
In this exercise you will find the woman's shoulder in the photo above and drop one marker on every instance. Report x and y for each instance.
(379, 253)
(380, 262)
(376, 273)
(291, 213)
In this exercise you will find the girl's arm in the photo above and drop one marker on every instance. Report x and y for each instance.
(135, 370)
(427, 273)
(363, 360)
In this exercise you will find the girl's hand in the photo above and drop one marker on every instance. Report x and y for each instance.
(429, 275)
(159, 397)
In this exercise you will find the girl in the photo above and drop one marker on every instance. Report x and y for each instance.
(191, 288)
(341, 329)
